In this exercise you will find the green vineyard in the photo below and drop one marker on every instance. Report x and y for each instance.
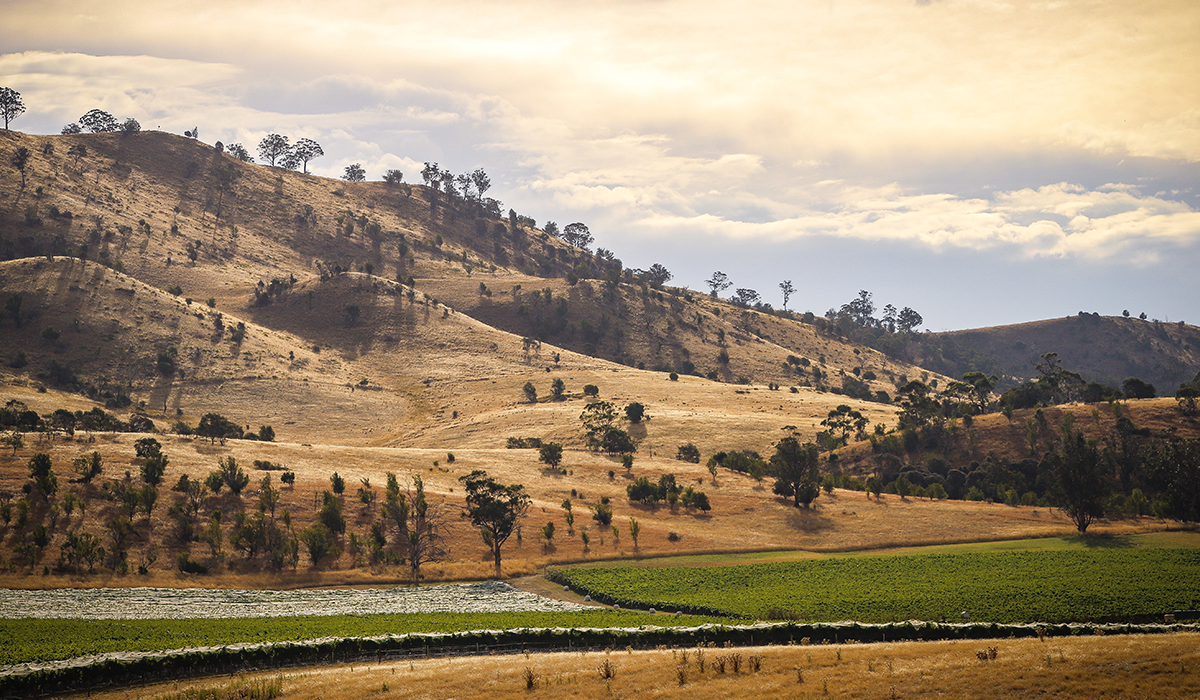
(1007, 587)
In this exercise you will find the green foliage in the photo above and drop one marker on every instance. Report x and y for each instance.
(41, 471)
(338, 483)
(494, 508)
(28, 640)
(551, 453)
(330, 514)
(591, 390)
(635, 412)
(688, 453)
(88, 467)
(215, 426)
(1035, 586)
(320, 542)
(530, 392)
(232, 475)
(796, 471)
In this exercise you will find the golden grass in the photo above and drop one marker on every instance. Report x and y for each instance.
(745, 515)
(1160, 666)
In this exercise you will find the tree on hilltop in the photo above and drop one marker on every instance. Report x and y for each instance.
(354, 173)
(11, 105)
(718, 283)
(273, 147)
(305, 150)
(239, 151)
(98, 121)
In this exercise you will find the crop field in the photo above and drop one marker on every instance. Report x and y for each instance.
(1009, 587)
(180, 603)
(30, 640)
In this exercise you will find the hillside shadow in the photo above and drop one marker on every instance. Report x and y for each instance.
(1102, 541)
(808, 521)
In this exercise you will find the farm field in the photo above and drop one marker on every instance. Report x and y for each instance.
(41, 640)
(1011, 586)
(1160, 666)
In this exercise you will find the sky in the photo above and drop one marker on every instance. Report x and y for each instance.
(982, 161)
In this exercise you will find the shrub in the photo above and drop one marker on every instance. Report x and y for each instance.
(338, 483)
(591, 390)
(551, 453)
(603, 514)
(635, 412)
(530, 392)
(688, 453)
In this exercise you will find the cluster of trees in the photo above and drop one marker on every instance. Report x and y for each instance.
(276, 149)
(667, 490)
(17, 418)
(97, 121)
(601, 431)
(859, 313)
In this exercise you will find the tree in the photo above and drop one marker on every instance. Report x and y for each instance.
(130, 126)
(718, 283)
(88, 467)
(305, 150)
(393, 177)
(635, 530)
(72, 128)
(657, 275)
(338, 483)
(1082, 484)
(494, 508)
(42, 472)
(578, 235)
(77, 152)
(20, 160)
(745, 297)
(907, 320)
(1135, 388)
(845, 420)
(11, 105)
(550, 453)
(796, 469)
(98, 121)
(482, 182)
(688, 453)
(239, 151)
(787, 289)
(215, 426)
(232, 475)
(273, 147)
(557, 388)
(597, 417)
(530, 392)
(354, 173)
(425, 538)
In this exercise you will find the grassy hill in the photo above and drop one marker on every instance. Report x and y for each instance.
(1106, 349)
(380, 328)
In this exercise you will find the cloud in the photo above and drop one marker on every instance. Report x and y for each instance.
(1060, 220)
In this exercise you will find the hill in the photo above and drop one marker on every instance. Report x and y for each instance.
(1106, 349)
(174, 213)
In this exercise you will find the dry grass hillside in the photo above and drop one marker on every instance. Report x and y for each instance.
(172, 211)
(1107, 349)
(745, 515)
(300, 367)
(1147, 666)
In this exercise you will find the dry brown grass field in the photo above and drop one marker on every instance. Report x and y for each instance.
(1159, 666)
(745, 516)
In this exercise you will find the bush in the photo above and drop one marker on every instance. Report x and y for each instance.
(635, 412)
(688, 453)
(189, 566)
(525, 443)
(551, 454)
(603, 514)
(591, 390)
